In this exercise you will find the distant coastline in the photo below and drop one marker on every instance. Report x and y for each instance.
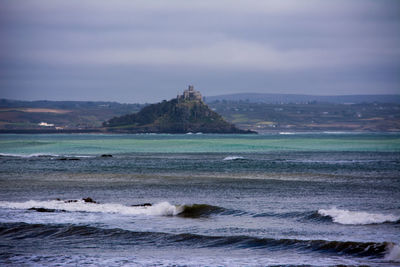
(262, 114)
(102, 131)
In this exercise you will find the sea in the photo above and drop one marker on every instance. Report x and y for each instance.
(278, 199)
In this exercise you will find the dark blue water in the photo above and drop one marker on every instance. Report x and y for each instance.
(200, 200)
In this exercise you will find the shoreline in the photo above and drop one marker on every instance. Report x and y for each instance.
(100, 131)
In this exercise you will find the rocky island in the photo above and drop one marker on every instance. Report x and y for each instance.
(183, 114)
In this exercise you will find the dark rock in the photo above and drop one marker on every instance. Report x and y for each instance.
(44, 210)
(69, 159)
(89, 200)
(106, 156)
(142, 205)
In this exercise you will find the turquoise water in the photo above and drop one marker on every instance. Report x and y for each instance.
(90, 144)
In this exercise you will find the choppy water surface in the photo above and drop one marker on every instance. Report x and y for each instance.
(200, 200)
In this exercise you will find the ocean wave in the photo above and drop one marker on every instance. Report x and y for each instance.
(335, 215)
(203, 210)
(357, 217)
(233, 158)
(160, 209)
(33, 155)
(83, 233)
(293, 214)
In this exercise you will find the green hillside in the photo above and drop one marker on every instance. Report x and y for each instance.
(174, 116)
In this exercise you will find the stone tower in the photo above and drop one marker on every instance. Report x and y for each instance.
(190, 94)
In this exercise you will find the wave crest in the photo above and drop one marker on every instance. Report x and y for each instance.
(229, 158)
(161, 209)
(199, 210)
(83, 205)
(357, 217)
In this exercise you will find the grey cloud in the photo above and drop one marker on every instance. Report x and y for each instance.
(274, 46)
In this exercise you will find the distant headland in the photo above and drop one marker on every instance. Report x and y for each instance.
(183, 114)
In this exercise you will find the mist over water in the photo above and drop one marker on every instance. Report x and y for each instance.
(232, 200)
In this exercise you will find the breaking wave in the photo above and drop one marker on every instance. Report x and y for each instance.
(335, 215)
(233, 158)
(202, 210)
(160, 209)
(84, 234)
(163, 208)
(357, 217)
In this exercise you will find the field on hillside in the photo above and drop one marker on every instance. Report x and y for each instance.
(310, 117)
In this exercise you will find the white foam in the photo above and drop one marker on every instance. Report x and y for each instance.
(161, 209)
(233, 158)
(357, 217)
(393, 252)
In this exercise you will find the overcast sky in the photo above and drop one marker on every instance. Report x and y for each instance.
(145, 51)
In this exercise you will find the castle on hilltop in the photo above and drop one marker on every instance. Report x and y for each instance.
(190, 94)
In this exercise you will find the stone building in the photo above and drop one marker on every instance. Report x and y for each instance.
(190, 94)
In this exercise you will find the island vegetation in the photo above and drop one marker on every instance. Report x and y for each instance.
(186, 113)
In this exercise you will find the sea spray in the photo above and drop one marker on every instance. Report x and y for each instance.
(392, 252)
(357, 217)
